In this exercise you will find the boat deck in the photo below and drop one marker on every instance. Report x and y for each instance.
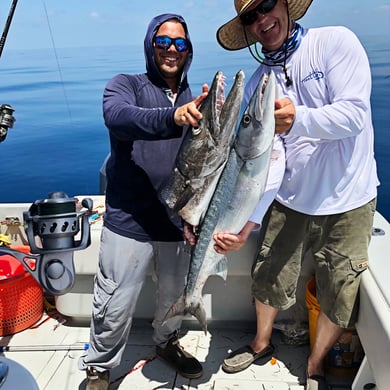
(51, 349)
(52, 346)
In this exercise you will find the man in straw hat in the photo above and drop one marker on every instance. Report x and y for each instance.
(327, 197)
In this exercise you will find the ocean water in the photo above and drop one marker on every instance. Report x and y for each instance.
(59, 141)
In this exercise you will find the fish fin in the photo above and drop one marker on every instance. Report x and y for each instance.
(172, 188)
(184, 198)
(198, 311)
(220, 268)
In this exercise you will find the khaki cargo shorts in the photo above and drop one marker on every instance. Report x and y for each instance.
(339, 246)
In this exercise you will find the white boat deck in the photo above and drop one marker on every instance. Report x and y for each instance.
(141, 370)
(53, 345)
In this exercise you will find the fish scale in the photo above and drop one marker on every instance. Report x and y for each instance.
(204, 152)
(240, 188)
(200, 270)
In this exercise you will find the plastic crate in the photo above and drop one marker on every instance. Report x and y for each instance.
(21, 297)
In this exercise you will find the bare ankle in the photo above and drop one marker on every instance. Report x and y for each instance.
(259, 346)
(314, 368)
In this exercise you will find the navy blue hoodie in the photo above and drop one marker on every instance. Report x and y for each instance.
(144, 142)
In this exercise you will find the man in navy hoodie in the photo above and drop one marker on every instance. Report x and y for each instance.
(147, 116)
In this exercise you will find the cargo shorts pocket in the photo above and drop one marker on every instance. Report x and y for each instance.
(359, 265)
(104, 289)
(263, 254)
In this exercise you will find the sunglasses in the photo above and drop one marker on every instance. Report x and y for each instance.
(164, 42)
(264, 7)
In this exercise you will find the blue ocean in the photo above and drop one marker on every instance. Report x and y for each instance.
(59, 141)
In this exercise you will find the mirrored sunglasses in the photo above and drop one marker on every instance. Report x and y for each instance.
(164, 42)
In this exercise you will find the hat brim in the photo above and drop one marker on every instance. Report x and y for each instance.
(231, 35)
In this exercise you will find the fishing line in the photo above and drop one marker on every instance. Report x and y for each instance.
(58, 63)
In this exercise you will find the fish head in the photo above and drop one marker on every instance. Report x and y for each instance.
(204, 150)
(211, 107)
(257, 126)
(201, 145)
(231, 110)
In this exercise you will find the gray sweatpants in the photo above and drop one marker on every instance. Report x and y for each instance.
(123, 265)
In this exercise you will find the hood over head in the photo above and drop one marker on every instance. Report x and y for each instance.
(151, 66)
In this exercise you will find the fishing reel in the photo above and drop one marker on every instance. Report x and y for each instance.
(6, 120)
(51, 226)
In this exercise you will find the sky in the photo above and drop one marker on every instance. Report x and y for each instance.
(85, 23)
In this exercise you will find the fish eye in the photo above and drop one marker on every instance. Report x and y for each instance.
(246, 119)
(196, 130)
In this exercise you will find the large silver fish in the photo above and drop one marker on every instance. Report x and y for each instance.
(204, 151)
(239, 190)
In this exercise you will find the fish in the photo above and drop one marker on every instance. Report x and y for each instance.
(236, 196)
(204, 151)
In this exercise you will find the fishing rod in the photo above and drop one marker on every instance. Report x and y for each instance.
(6, 111)
(7, 25)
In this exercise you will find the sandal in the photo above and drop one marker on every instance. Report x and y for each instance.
(243, 357)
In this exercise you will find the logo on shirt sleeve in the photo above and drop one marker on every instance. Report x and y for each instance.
(314, 75)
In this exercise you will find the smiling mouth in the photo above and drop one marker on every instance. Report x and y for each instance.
(170, 59)
(269, 28)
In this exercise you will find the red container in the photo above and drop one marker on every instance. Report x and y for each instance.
(21, 297)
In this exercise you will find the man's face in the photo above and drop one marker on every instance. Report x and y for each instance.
(169, 60)
(270, 28)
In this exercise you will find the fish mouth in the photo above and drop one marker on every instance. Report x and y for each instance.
(219, 99)
(257, 123)
(215, 99)
(266, 101)
(264, 85)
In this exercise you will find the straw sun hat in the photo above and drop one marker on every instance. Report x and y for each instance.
(231, 35)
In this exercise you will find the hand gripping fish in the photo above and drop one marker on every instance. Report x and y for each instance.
(238, 192)
(204, 151)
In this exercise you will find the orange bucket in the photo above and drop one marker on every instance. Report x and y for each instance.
(347, 353)
(21, 297)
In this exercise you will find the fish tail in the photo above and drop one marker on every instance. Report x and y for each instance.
(177, 309)
(198, 311)
(180, 308)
